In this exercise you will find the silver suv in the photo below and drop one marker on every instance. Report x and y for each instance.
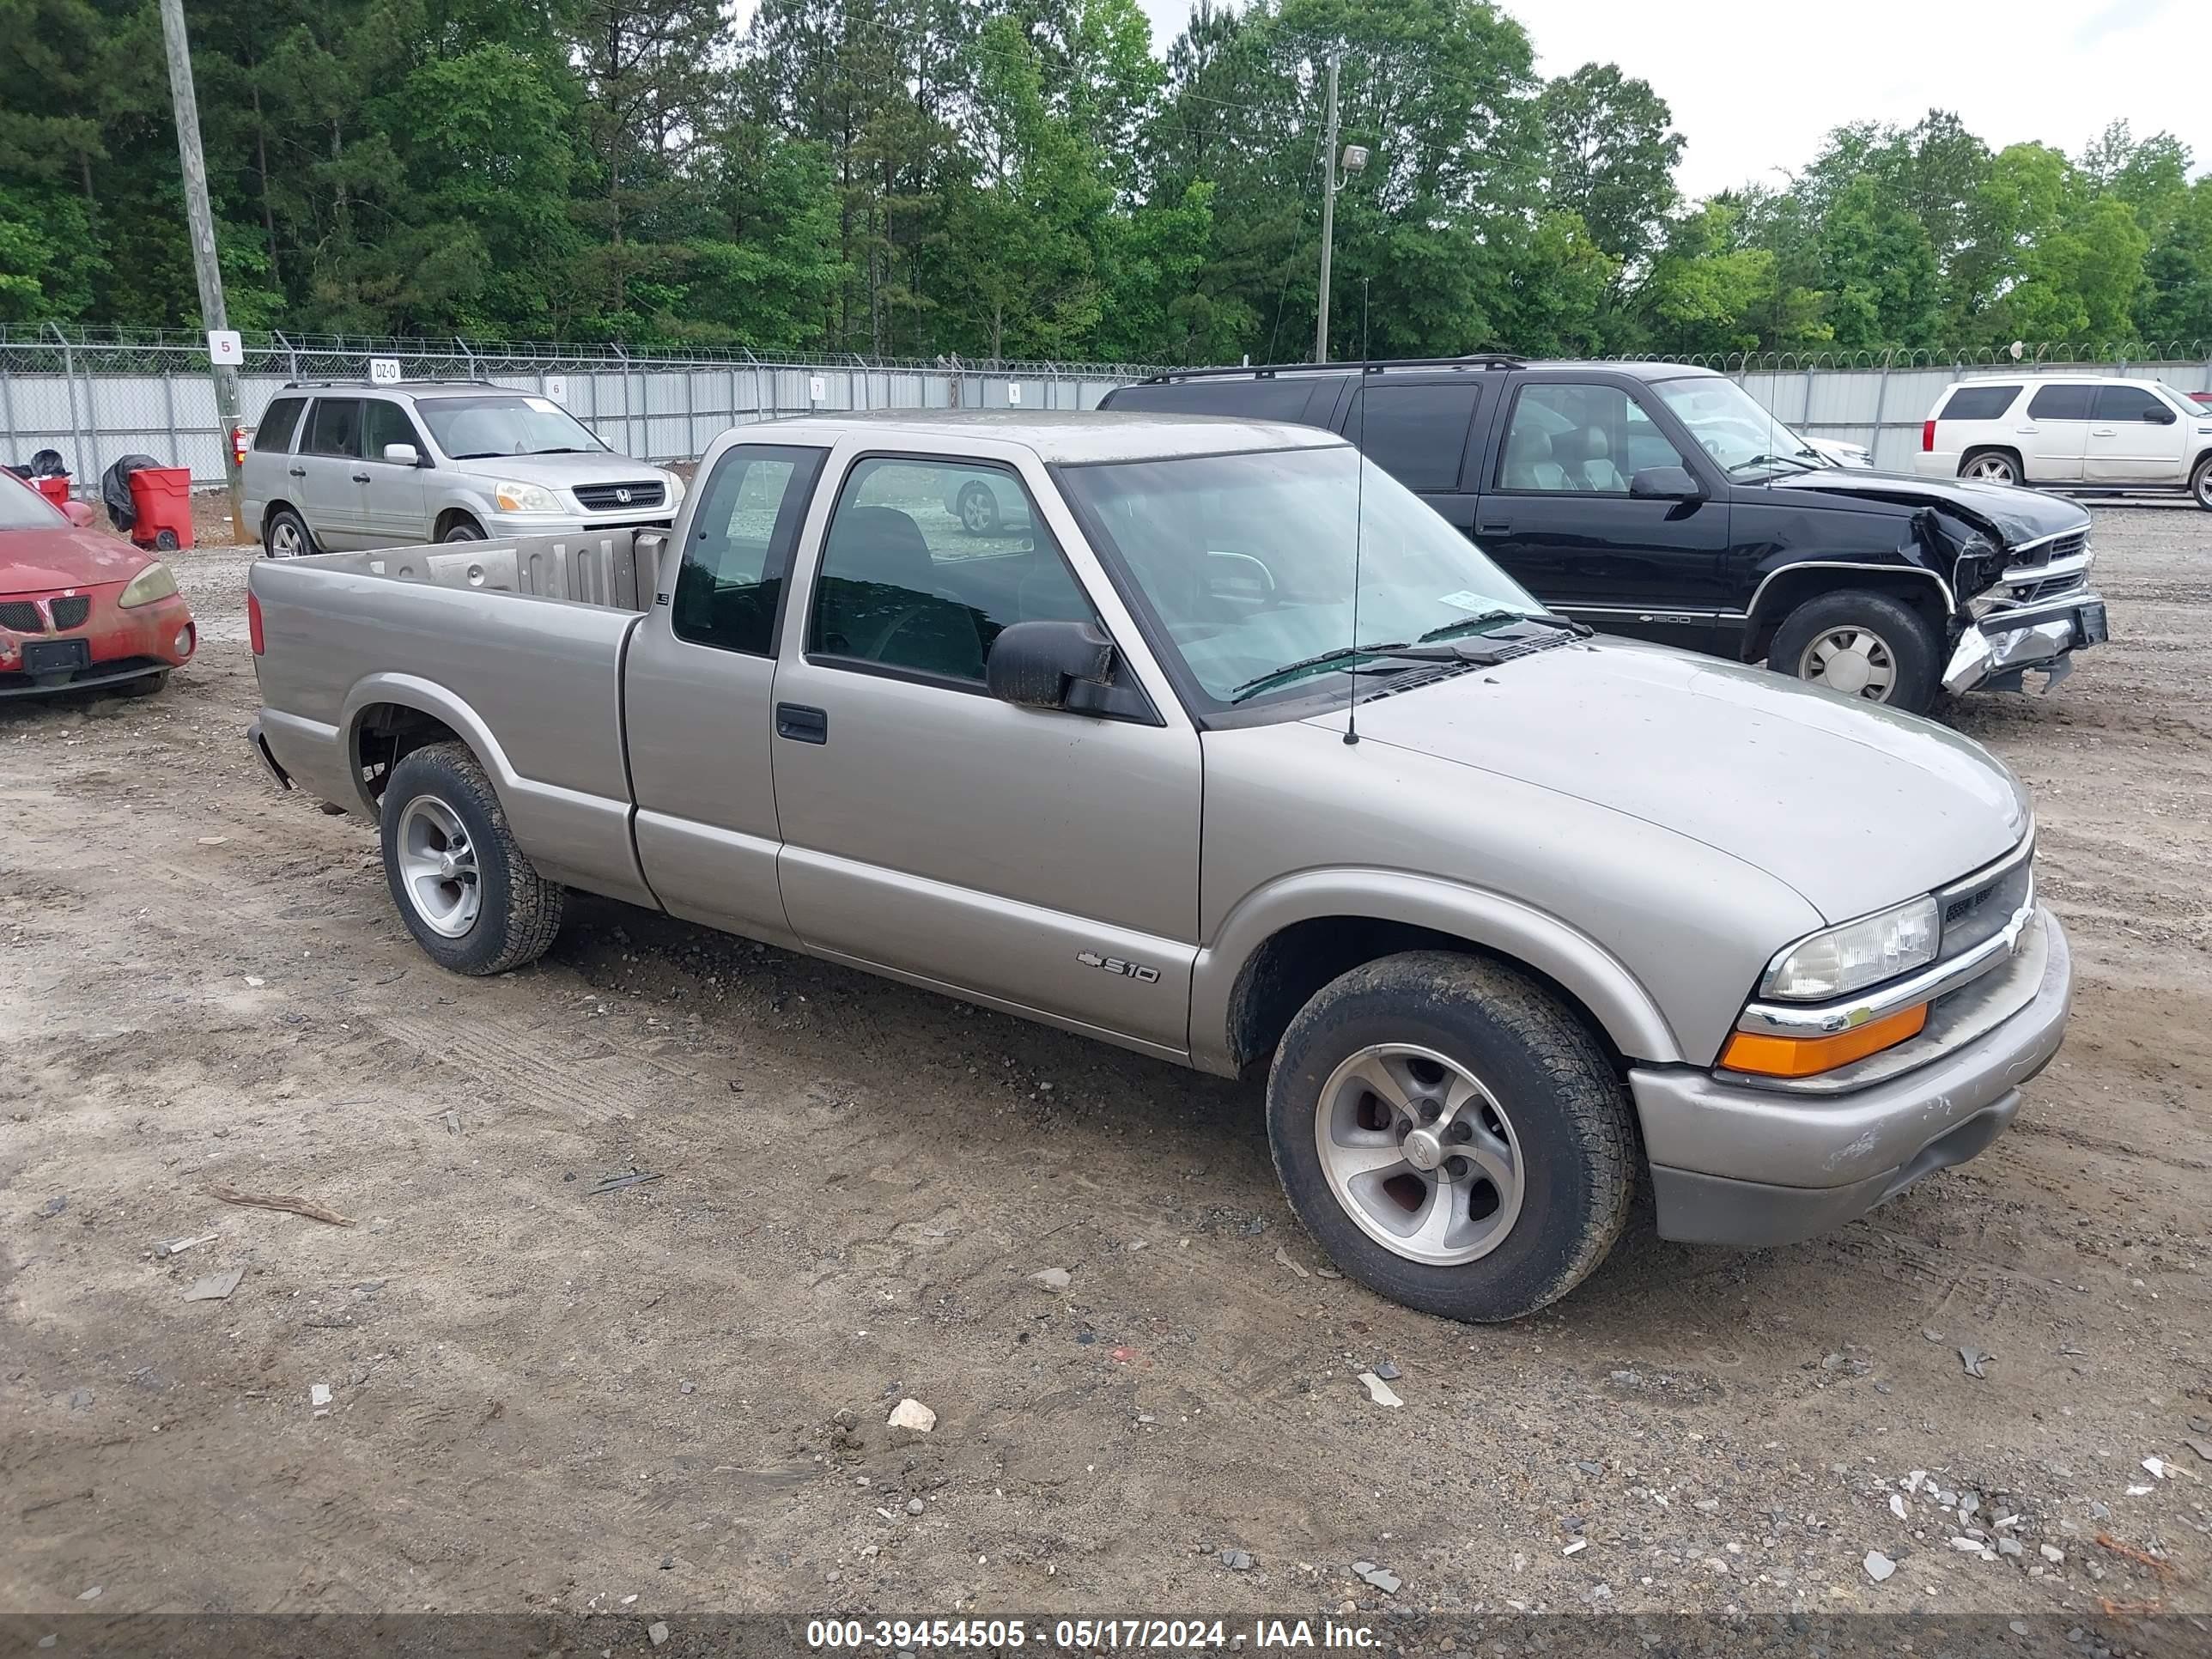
(338, 466)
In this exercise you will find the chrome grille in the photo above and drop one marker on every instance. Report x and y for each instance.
(609, 497)
(21, 616)
(70, 610)
(1982, 906)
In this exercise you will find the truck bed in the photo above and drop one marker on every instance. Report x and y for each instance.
(601, 567)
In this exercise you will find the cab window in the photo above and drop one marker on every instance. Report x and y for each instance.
(927, 560)
(729, 585)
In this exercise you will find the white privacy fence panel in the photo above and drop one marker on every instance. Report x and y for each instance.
(97, 395)
(100, 397)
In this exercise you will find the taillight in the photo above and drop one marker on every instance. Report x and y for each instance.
(1928, 433)
(254, 623)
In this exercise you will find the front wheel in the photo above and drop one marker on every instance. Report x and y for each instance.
(1451, 1135)
(1868, 646)
(463, 529)
(2200, 483)
(470, 896)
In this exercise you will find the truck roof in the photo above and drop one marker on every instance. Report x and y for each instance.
(1074, 436)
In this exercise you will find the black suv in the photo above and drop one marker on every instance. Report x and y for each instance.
(1661, 502)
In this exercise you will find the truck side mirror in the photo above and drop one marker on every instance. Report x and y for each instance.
(1665, 484)
(2158, 417)
(1035, 664)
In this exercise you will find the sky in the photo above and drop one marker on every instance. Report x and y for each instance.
(1754, 86)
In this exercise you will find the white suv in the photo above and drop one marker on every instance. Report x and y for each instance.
(2080, 431)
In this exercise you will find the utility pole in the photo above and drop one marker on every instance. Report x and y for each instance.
(1354, 158)
(205, 265)
(1328, 207)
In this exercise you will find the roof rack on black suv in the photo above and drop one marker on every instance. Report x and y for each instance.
(1369, 366)
(1660, 500)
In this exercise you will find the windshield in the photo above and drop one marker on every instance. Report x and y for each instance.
(1246, 561)
(1735, 428)
(22, 508)
(477, 429)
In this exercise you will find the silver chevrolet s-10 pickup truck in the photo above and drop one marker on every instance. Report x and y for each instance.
(1514, 919)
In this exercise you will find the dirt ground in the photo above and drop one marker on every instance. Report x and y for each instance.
(541, 1398)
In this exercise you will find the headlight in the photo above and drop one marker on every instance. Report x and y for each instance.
(155, 581)
(1857, 954)
(511, 497)
(675, 490)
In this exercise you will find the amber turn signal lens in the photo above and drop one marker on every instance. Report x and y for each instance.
(1781, 1056)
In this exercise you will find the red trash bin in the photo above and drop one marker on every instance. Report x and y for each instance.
(163, 498)
(56, 490)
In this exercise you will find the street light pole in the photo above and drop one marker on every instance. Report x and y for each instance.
(1353, 159)
(205, 265)
(1329, 188)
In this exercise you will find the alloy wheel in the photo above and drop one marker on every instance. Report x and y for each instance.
(438, 866)
(1856, 661)
(1419, 1153)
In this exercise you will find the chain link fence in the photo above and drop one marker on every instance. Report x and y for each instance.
(96, 394)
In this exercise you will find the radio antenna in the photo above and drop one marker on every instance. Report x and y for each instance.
(1358, 522)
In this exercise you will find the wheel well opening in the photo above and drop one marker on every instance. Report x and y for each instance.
(269, 515)
(1792, 588)
(448, 519)
(1285, 973)
(387, 733)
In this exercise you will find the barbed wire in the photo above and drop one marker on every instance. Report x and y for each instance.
(2045, 354)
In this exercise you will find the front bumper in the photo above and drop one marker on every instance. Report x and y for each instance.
(120, 644)
(1996, 651)
(1745, 1166)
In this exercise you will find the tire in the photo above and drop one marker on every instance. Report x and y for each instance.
(436, 799)
(1897, 653)
(463, 529)
(2200, 483)
(150, 685)
(979, 510)
(286, 536)
(165, 541)
(1554, 1124)
(1992, 466)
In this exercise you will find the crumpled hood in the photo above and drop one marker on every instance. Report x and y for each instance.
(39, 560)
(1854, 806)
(2015, 514)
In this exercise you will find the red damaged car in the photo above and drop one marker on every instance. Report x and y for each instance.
(79, 608)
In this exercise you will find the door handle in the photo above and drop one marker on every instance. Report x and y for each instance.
(801, 724)
(2104, 432)
(361, 478)
(1499, 527)
(297, 471)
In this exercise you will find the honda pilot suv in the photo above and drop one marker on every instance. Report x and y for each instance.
(336, 467)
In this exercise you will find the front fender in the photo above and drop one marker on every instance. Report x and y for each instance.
(1582, 967)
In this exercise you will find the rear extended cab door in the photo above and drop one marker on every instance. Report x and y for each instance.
(2052, 430)
(1550, 492)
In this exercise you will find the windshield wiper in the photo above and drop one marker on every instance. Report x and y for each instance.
(1399, 649)
(1774, 460)
(481, 455)
(1490, 619)
(570, 450)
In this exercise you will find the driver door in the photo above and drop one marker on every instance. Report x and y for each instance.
(1044, 861)
(1559, 517)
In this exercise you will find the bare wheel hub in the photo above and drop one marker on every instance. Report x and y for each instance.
(1419, 1153)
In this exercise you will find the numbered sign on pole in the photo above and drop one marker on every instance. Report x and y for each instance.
(384, 371)
(817, 387)
(225, 349)
(556, 388)
(1014, 393)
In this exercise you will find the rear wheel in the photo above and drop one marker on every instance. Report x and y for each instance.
(1991, 466)
(1451, 1135)
(471, 898)
(1868, 646)
(285, 536)
(2200, 483)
